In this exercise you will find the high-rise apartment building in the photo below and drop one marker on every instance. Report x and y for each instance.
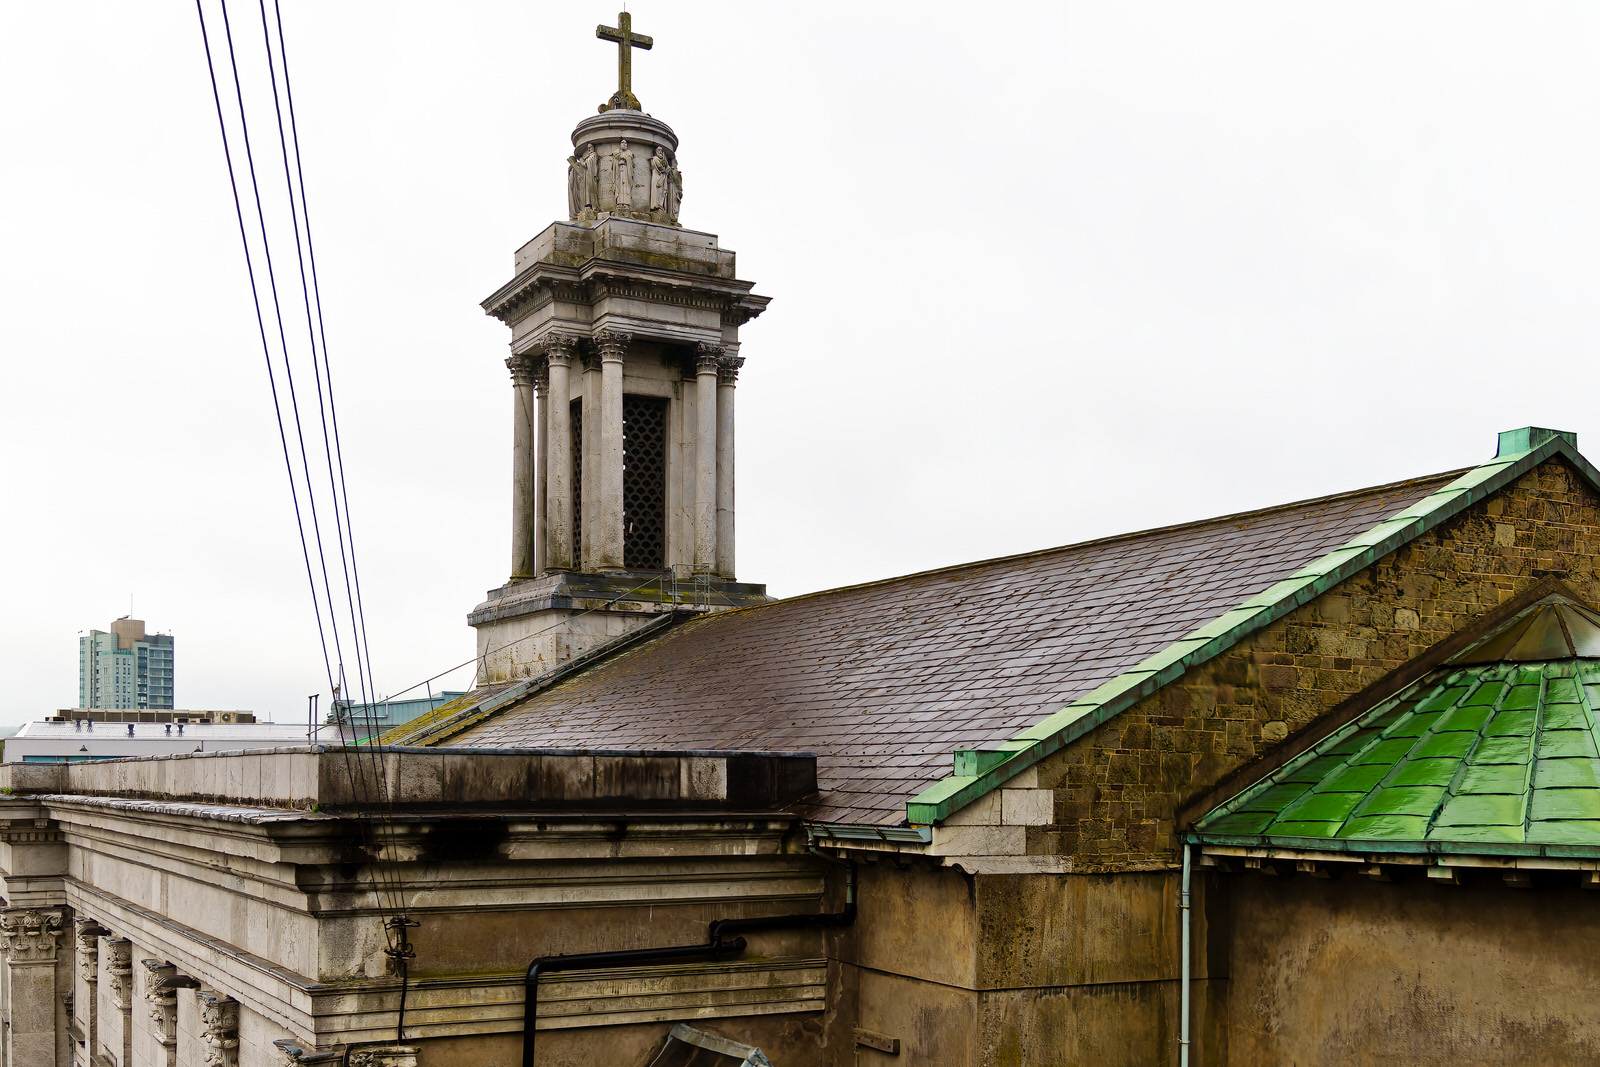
(125, 668)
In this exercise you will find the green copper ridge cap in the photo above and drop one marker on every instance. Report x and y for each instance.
(1004, 761)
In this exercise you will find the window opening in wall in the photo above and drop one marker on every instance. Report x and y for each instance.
(644, 483)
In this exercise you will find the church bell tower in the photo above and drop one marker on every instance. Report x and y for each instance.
(624, 357)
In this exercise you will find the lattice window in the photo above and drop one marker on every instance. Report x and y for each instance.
(576, 418)
(644, 483)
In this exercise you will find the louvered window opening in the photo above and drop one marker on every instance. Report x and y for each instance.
(644, 483)
(576, 419)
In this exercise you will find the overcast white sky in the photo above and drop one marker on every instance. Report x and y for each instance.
(1041, 272)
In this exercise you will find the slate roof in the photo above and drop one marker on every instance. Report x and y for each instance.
(1496, 751)
(885, 680)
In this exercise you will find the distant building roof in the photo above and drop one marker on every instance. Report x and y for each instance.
(885, 680)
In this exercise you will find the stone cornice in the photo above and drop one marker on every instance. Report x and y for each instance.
(599, 278)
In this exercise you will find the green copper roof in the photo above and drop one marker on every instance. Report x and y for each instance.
(1480, 756)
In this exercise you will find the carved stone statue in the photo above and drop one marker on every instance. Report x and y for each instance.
(674, 193)
(588, 178)
(574, 188)
(624, 176)
(660, 177)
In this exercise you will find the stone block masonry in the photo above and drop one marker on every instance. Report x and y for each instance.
(1120, 788)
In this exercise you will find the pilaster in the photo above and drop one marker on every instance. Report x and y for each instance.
(86, 989)
(28, 942)
(219, 1029)
(161, 1005)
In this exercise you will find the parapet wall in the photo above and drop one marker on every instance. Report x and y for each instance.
(334, 777)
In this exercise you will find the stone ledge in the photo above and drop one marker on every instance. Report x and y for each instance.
(254, 786)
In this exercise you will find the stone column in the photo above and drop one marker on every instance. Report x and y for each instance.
(219, 1029)
(161, 1004)
(524, 518)
(86, 986)
(705, 454)
(541, 388)
(727, 375)
(28, 939)
(607, 509)
(559, 553)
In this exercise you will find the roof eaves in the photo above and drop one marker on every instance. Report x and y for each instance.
(955, 791)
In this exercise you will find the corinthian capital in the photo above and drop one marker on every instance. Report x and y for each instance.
(707, 354)
(612, 344)
(119, 970)
(525, 368)
(29, 934)
(559, 348)
(219, 1029)
(728, 369)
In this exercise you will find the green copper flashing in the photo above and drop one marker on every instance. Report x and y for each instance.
(952, 793)
(1513, 442)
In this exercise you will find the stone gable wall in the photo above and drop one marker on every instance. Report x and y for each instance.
(1118, 788)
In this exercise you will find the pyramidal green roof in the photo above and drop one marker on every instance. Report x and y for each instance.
(1494, 752)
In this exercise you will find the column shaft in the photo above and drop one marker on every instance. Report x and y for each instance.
(608, 508)
(524, 517)
(559, 549)
(705, 455)
(728, 373)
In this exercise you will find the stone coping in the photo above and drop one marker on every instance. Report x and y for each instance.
(335, 778)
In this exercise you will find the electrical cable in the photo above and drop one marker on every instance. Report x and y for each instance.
(327, 409)
(266, 352)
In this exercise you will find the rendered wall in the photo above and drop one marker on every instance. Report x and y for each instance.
(1349, 971)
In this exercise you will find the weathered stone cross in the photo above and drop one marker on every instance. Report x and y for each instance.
(627, 41)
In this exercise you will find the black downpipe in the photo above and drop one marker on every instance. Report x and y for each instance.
(720, 944)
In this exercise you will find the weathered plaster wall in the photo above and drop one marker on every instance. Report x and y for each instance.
(1354, 971)
(1015, 970)
(1119, 787)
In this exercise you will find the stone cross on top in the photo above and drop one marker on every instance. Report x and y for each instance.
(627, 41)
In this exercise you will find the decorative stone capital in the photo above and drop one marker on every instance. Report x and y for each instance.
(707, 354)
(119, 970)
(219, 1029)
(384, 1056)
(560, 348)
(612, 345)
(728, 369)
(524, 368)
(161, 999)
(29, 934)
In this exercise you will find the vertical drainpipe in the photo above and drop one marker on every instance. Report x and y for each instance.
(1183, 909)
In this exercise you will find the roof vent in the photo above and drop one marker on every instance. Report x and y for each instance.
(1529, 438)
